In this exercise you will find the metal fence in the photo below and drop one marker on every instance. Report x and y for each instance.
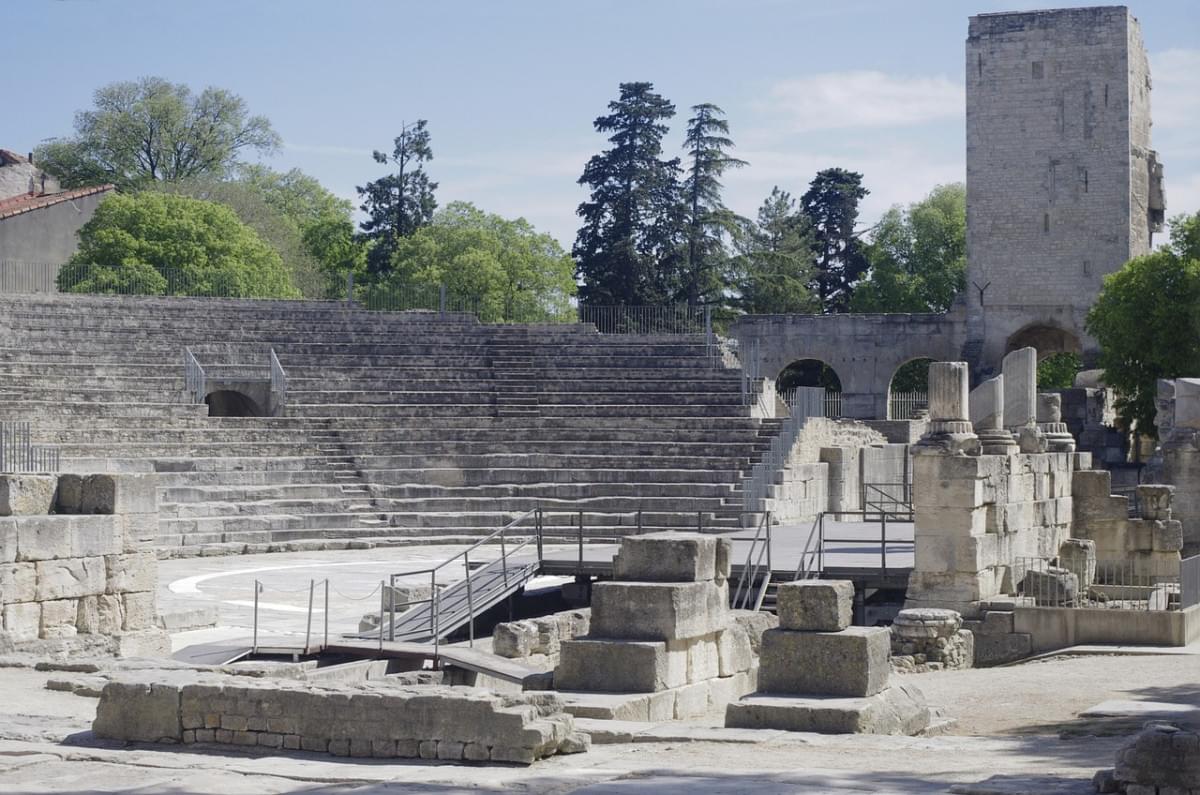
(833, 404)
(195, 380)
(1108, 585)
(28, 277)
(1189, 582)
(902, 405)
(664, 319)
(279, 381)
(18, 453)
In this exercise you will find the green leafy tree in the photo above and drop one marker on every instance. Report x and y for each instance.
(831, 206)
(628, 249)
(160, 244)
(1058, 370)
(401, 203)
(774, 265)
(149, 130)
(338, 251)
(504, 268)
(1147, 321)
(709, 222)
(917, 256)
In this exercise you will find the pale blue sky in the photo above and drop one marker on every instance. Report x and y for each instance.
(510, 89)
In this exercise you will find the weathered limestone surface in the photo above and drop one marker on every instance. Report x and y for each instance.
(368, 720)
(657, 610)
(900, 709)
(74, 561)
(987, 417)
(1020, 389)
(1150, 545)
(666, 557)
(852, 662)
(1180, 451)
(544, 635)
(1162, 758)
(816, 605)
(930, 639)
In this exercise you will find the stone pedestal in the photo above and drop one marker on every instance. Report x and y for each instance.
(1050, 424)
(986, 403)
(818, 673)
(930, 639)
(950, 429)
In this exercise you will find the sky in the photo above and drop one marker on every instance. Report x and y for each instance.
(510, 88)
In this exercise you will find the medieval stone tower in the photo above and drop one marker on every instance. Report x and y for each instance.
(1062, 185)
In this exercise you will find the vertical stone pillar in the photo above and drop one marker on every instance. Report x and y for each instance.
(949, 427)
(1181, 459)
(987, 416)
(1050, 424)
(1020, 399)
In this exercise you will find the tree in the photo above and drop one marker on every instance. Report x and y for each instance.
(1058, 370)
(774, 266)
(917, 256)
(161, 244)
(831, 206)
(398, 204)
(150, 130)
(628, 249)
(504, 269)
(709, 222)
(1147, 321)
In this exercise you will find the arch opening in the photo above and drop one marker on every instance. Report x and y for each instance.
(231, 403)
(811, 373)
(908, 389)
(1047, 339)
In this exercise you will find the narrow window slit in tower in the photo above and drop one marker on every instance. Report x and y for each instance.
(1046, 222)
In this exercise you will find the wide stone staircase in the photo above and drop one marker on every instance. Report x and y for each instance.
(411, 427)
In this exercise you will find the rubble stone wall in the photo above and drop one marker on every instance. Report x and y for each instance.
(366, 720)
(75, 559)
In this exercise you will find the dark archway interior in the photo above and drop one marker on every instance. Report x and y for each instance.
(808, 372)
(228, 403)
(912, 376)
(1048, 340)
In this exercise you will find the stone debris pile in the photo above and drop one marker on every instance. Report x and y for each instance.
(817, 673)
(1162, 759)
(664, 627)
(931, 639)
(366, 720)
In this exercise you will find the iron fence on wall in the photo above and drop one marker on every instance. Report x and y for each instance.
(1133, 584)
(18, 453)
(902, 405)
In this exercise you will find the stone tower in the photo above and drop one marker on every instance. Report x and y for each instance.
(1062, 185)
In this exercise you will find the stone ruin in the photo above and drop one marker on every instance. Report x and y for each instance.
(818, 673)
(662, 634)
(929, 639)
(372, 719)
(1178, 420)
(76, 570)
(1162, 759)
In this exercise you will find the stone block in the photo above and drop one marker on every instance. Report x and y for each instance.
(152, 642)
(1051, 586)
(8, 540)
(853, 662)
(1078, 556)
(1091, 483)
(119, 494)
(619, 666)
(58, 618)
(1167, 536)
(27, 495)
(18, 582)
(724, 559)
(657, 611)
(666, 557)
(139, 611)
(69, 498)
(817, 605)
(514, 639)
(23, 621)
(137, 571)
(703, 656)
(900, 709)
(755, 623)
(691, 701)
(1155, 500)
(734, 652)
(139, 712)
(70, 578)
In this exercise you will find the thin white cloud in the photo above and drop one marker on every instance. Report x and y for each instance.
(857, 99)
(1175, 101)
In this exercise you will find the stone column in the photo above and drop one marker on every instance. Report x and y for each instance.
(1181, 460)
(987, 415)
(1020, 399)
(949, 427)
(1050, 424)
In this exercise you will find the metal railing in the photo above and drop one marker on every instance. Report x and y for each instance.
(757, 486)
(833, 404)
(18, 453)
(751, 374)
(758, 564)
(259, 587)
(902, 405)
(672, 319)
(893, 500)
(436, 597)
(1143, 585)
(28, 277)
(195, 381)
(1189, 582)
(279, 381)
(812, 556)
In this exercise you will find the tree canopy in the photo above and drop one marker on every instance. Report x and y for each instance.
(1147, 321)
(139, 132)
(774, 265)
(504, 268)
(398, 204)
(917, 255)
(160, 244)
(628, 249)
(831, 206)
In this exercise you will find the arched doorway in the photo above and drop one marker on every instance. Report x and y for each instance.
(908, 390)
(811, 373)
(1047, 339)
(228, 403)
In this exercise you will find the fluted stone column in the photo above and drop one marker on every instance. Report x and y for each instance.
(987, 415)
(949, 427)
(1020, 399)
(1058, 437)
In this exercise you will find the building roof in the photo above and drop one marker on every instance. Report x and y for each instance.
(27, 202)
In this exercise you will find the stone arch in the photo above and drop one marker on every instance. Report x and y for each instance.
(811, 372)
(909, 379)
(1047, 338)
(232, 403)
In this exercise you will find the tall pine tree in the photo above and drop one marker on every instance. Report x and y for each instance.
(709, 222)
(628, 248)
(831, 206)
(775, 263)
(398, 204)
